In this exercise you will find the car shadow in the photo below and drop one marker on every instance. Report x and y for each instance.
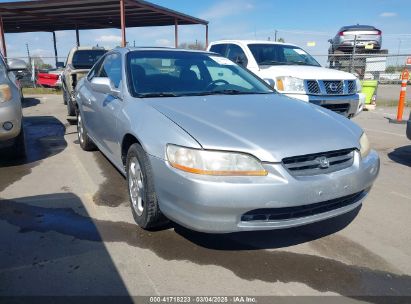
(401, 155)
(28, 102)
(52, 247)
(44, 137)
(269, 239)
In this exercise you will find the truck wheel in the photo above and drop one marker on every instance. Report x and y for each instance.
(143, 198)
(19, 145)
(85, 141)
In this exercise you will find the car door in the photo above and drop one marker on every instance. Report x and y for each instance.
(108, 107)
(88, 103)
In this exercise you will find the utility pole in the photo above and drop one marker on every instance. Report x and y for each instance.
(275, 35)
(28, 53)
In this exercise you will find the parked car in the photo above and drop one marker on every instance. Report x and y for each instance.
(409, 128)
(11, 118)
(363, 36)
(293, 72)
(209, 145)
(79, 62)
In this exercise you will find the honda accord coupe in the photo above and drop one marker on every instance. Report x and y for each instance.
(206, 144)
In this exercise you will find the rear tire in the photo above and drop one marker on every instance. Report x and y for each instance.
(85, 142)
(143, 198)
(71, 109)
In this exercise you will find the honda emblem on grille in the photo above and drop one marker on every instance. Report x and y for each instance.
(333, 87)
(323, 162)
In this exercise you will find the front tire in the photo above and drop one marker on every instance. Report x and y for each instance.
(85, 142)
(143, 198)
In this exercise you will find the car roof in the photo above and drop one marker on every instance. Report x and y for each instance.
(148, 48)
(252, 42)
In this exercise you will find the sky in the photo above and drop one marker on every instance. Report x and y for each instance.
(297, 21)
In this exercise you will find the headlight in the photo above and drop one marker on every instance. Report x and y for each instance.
(214, 162)
(358, 85)
(5, 93)
(365, 145)
(290, 84)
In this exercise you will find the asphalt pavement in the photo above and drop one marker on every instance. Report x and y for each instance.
(66, 229)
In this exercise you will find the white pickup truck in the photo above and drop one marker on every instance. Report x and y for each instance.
(295, 73)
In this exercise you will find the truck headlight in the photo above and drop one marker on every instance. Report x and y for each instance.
(365, 147)
(214, 162)
(290, 84)
(5, 93)
(358, 85)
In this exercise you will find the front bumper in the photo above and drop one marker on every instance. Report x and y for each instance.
(10, 111)
(333, 102)
(216, 204)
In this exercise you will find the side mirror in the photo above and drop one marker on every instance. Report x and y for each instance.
(105, 86)
(17, 65)
(60, 65)
(241, 61)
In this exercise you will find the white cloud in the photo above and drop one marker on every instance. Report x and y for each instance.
(226, 8)
(388, 14)
(163, 42)
(109, 39)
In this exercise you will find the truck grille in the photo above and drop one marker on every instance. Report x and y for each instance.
(319, 163)
(352, 87)
(290, 213)
(313, 87)
(334, 87)
(331, 87)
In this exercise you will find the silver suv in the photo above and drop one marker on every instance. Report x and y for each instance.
(11, 122)
(363, 36)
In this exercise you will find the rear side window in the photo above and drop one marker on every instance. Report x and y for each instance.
(85, 59)
(219, 48)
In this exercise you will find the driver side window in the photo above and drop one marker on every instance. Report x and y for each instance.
(111, 68)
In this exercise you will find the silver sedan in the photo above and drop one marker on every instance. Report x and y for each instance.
(206, 144)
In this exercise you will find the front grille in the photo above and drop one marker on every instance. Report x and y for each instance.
(319, 163)
(339, 107)
(290, 213)
(352, 87)
(334, 87)
(313, 87)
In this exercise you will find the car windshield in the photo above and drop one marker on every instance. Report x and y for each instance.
(85, 59)
(279, 54)
(181, 73)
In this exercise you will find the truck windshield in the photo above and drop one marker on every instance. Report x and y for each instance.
(85, 59)
(279, 54)
(181, 73)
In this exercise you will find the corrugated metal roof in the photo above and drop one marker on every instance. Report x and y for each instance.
(56, 15)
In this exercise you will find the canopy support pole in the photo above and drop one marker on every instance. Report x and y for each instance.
(55, 47)
(176, 33)
(123, 23)
(206, 36)
(3, 40)
(77, 37)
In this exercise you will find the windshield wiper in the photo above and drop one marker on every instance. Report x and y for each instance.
(271, 62)
(159, 94)
(223, 92)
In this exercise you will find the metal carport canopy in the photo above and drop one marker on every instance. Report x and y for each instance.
(58, 15)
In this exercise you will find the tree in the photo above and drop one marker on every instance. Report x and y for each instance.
(280, 40)
(39, 63)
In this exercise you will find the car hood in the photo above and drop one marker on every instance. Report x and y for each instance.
(305, 72)
(270, 127)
